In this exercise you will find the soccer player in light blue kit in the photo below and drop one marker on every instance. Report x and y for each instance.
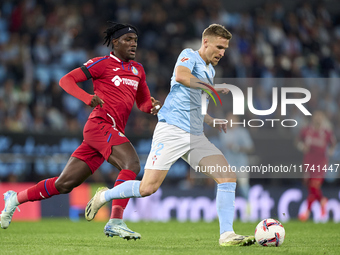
(179, 134)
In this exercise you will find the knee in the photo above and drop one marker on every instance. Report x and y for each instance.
(64, 187)
(134, 166)
(147, 191)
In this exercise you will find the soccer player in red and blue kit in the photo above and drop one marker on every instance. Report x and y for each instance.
(316, 142)
(118, 82)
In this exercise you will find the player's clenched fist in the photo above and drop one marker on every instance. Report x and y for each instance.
(156, 106)
(96, 101)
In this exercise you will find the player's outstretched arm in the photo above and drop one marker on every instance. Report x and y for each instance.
(144, 101)
(148, 105)
(186, 78)
(69, 84)
(222, 90)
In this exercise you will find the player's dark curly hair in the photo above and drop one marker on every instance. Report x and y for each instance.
(113, 28)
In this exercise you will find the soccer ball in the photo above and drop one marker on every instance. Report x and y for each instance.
(270, 232)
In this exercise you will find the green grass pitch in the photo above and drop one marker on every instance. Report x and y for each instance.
(62, 236)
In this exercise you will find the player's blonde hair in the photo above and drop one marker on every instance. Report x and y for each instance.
(216, 30)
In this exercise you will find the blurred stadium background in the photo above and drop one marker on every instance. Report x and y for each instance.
(41, 125)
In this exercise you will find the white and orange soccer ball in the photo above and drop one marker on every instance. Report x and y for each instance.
(270, 232)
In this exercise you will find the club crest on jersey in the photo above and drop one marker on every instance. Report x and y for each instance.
(154, 158)
(134, 70)
(121, 134)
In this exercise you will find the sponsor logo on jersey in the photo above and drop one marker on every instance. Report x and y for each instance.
(130, 82)
(115, 69)
(134, 70)
(184, 59)
(121, 134)
(117, 82)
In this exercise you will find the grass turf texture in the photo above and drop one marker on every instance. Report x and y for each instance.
(62, 236)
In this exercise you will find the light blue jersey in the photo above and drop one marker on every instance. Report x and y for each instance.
(182, 106)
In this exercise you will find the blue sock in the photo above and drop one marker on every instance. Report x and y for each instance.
(125, 190)
(225, 202)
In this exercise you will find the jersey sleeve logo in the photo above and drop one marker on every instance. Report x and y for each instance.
(88, 62)
(134, 70)
(184, 59)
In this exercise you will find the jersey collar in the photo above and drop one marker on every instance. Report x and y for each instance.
(114, 57)
(206, 72)
(199, 56)
(117, 59)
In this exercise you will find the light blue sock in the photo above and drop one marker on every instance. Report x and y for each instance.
(225, 202)
(125, 190)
